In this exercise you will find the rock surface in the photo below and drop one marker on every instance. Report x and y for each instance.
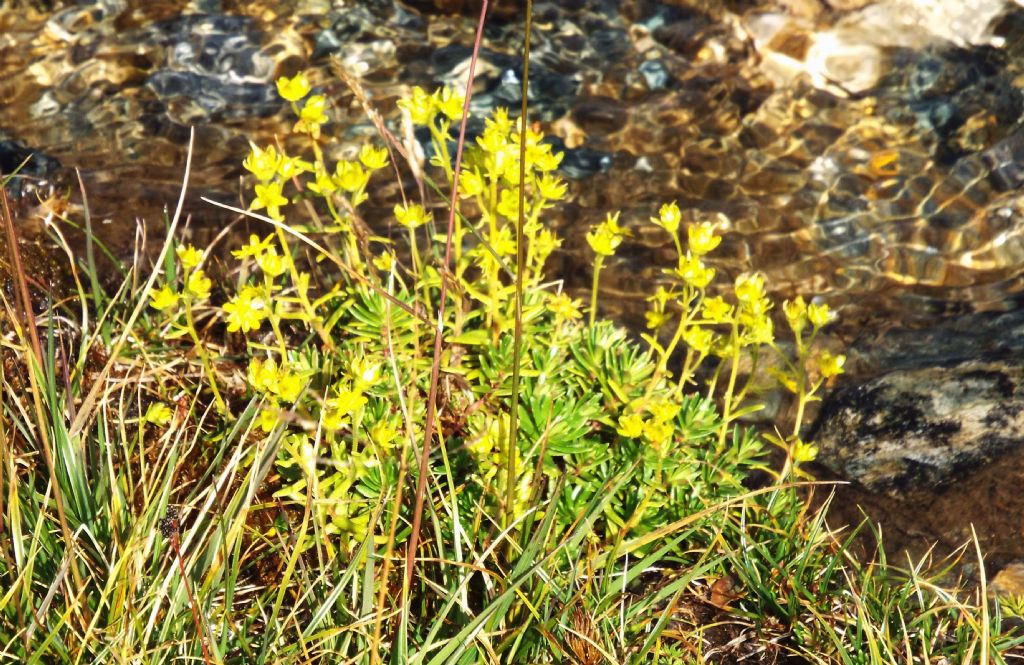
(927, 431)
(1009, 581)
(924, 427)
(923, 407)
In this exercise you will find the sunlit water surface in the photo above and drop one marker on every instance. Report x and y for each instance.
(871, 156)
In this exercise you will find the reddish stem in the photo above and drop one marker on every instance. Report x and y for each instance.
(428, 434)
(191, 598)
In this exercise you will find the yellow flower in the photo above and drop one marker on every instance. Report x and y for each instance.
(503, 244)
(669, 217)
(312, 112)
(269, 418)
(383, 434)
(693, 271)
(247, 310)
(384, 261)
(749, 288)
(796, 314)
(656, 318)
(663, 410)
(198, 285)
(818, 315)
(350, 176)
(724, 347)
(786, 379)
(606, 236)
(449, 102)
(631, 426)
(495, 143)
(293, 89)
(289, 385)
(324, 184)
(544, 159)
(262, 374)
(262, 163)
(661, 297)
(420, 106)
(699, 339)
(269, 196)
(508, 205)
(373, 158)
(266, 377)
(831, 365)
(804, 452)
(163, 298)
(158, 414)
(470, 183)
(411, 216)
(602, 242)
(499, 121)
(758, 329)
(716, 310)
(544, 243)
(702, 238)
(189, 256)
(657, 432)
(254, 248)
(551, 187)
(540, 157)
(289, 167)
(563, 307)
(272, 263)
(337, 409)
(365, 373)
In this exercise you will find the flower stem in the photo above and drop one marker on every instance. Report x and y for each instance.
(733, 372)
(204, 357)
(598, 263)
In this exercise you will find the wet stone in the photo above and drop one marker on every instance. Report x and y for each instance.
(599, 114)
(925, 427)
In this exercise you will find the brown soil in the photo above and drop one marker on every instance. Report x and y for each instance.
(990, 499)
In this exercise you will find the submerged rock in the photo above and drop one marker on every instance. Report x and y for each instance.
(923, 427)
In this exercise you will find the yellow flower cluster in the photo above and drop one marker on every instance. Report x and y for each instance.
(658, 429)
(424, 108)
(275, 382)
(799, 315)
(753, 309)
(489, 448)
(247, 310)
(197, 284)
(490, 178)
(273, 169)
(411, 216)
(605, 238)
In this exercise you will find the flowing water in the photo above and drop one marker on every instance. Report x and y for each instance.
(871, 155)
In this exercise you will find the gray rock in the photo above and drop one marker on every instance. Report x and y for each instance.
(923, 427)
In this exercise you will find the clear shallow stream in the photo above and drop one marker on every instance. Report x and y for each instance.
(855, 156)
